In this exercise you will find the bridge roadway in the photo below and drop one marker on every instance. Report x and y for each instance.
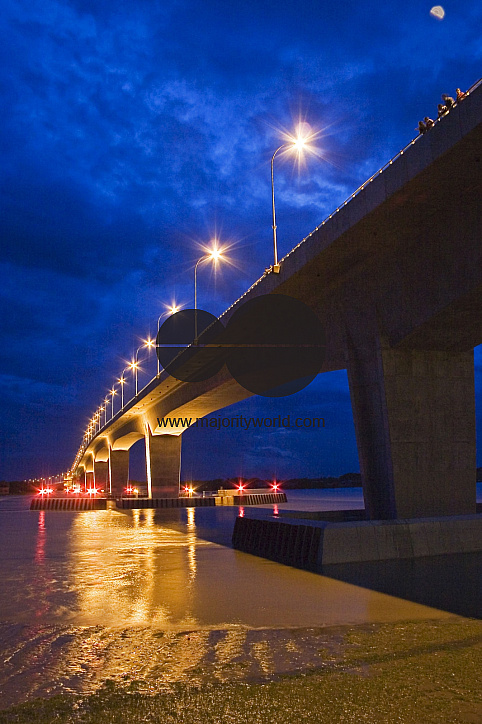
(395, 276)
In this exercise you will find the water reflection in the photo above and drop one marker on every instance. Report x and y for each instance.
(41, 572)
(40, 547)
(159, 569)
(191, 542)
(132, 568)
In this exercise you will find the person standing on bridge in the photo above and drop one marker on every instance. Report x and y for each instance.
(448, 100)
(428, 122)
(422, 128)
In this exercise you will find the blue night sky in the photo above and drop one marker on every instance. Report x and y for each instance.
(132, 133)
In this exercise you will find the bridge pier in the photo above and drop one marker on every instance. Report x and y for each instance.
(163, 463)
(118, 471)
(414, 413)
(101, 475)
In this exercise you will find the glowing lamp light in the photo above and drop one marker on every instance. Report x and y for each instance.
(215, 254)
(241, 512)
(240, 487)
(275, 487)
(299, 143)
(129, 489)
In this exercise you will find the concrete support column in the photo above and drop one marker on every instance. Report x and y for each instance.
(101, 475)
(414, 414)
(163, 462)
(89, 478)
(118, 471)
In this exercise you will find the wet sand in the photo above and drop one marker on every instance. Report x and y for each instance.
(409, 672)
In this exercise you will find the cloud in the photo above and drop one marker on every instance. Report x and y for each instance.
(130, 131)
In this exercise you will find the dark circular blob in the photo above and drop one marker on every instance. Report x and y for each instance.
(276, 345)
(188, 345)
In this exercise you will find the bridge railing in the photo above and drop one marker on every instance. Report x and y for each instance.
(380, 171)
(349, 198)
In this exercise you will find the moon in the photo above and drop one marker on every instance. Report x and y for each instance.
(437, 12)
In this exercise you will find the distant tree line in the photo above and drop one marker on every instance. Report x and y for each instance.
(349, 480)
(17, 487)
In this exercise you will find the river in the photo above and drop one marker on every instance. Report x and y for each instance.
(91, 594)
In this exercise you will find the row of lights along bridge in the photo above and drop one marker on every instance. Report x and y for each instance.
(300, 143)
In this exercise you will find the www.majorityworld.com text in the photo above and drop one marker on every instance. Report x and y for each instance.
(241, 422)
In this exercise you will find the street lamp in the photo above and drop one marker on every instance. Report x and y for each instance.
(122, 382)
(214, 255)
(171, 310)
(149, 343)
(106, 402)
(298, 144)
(112, 393)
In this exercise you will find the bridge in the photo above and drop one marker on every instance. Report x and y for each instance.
(395, 276)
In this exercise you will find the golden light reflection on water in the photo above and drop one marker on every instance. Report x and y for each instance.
(132, 569)
(141, 596)
(149, 568)
(152, 568)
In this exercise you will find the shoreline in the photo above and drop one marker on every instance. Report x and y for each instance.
(434, 656)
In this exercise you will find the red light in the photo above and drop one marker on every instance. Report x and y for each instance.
(129, 489)
(241, 512)
(275, 487)
(240, 487)
(92, 491)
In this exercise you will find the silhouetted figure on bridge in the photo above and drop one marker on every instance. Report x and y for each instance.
(428, 122)
(460, 95)
(442, 110)
(422, 128)
(448, 100)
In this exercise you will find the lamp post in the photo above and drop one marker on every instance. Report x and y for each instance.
(171, 310)
(135, 365)
(106, 402)
(122, 382)
(214, 255)
(112, 393)
(298, 144)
